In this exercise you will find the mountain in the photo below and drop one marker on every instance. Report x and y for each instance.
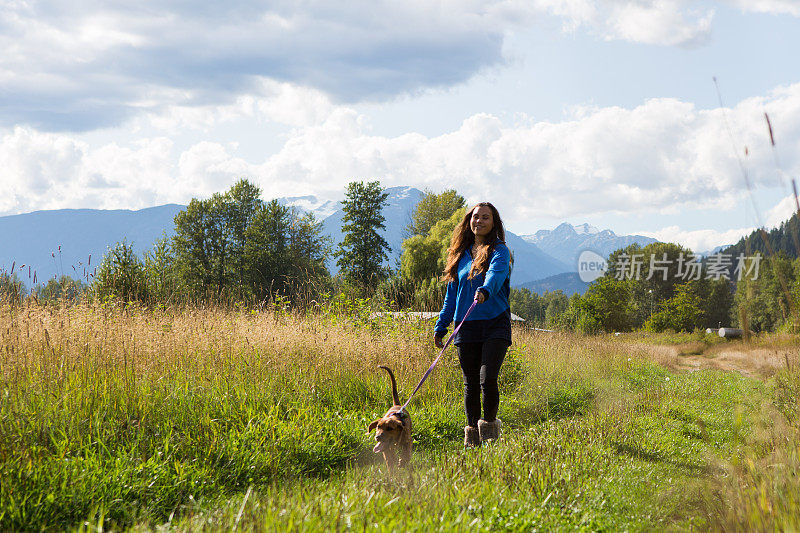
(714, 250)
(31, 238)
(311, 204)
(530, 262)
(566, 241)
(568, 282)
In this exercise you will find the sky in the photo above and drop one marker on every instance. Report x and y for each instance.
(604, 112)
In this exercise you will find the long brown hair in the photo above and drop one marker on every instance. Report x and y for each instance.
(463, 238)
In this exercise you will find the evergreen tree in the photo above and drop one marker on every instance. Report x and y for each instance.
(363, 250)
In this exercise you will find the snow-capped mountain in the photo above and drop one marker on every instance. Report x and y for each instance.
(321, 208)
(31, 238)
(566, 241)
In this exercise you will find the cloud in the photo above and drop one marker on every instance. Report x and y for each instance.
(657, 22)
(663, 156)
(282, 103)
(698, 240)
(781, 212)
(773, 7)
(683, 23)
(79, 69)
(68, 69)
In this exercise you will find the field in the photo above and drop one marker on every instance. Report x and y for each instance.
(199, 419)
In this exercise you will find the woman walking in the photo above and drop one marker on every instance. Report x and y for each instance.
(478, 268)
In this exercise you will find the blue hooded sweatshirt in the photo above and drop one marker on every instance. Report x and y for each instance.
(495, 283)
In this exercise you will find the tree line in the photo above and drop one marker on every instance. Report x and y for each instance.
(236, 247)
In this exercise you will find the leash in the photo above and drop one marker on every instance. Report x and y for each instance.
(436, 361)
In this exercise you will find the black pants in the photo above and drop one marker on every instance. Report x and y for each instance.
(480, 363)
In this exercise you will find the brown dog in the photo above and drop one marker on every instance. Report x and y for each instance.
(393, 431)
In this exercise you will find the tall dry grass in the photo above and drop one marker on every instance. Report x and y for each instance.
(125, 415)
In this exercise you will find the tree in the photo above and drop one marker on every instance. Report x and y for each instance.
(682, 312)
(529, 305)
(284, 249)
(425, 256)
(159, 268)
(763, 304)
(62, 289)
(12, 289)
(121, 275)
(199, 246)
(431, 209)
(650, 274)
(236, 244)
(363, 250)
(607, 303)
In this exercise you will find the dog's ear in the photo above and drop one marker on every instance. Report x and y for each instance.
(373, 425)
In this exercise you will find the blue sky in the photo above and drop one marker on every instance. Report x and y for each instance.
(555, 110)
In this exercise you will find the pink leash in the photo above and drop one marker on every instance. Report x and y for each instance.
(436, 361)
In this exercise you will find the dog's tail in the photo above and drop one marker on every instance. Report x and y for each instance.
(395, 398)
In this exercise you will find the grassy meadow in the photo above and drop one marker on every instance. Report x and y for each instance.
(191, 419)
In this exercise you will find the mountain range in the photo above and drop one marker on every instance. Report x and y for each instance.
(566, 241)
(67, 241)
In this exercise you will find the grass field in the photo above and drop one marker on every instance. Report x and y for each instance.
(197, 419)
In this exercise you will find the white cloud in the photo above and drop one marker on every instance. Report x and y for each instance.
(685, 23)
(660, 157)
(79, 69)
(774, 7)
(659, 22)
(781, 212)
(68, 69)
(699, 240)
(270, 101)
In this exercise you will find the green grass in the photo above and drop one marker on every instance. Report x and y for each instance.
(132, 419)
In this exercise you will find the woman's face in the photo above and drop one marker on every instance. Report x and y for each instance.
(482, 221)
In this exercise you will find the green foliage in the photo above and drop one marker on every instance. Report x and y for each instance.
(425, 256)
(431, 209)
(767, 302)
(236, 244)
(547, 311)
(160, 271)
(783, 239)
(607, 304)
(363, 250)
(682, 312)
(285, 251)
(12, 289)
(650, 275)
(121, 275)
(64, 289)
(211, 237)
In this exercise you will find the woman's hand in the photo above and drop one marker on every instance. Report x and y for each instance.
(438, 342)
(480, 297)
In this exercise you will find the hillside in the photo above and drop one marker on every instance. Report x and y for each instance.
(568, 282)
(31, 238)
(785, 238)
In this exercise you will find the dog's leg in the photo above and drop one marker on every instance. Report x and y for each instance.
(390, 456)
(405, 457)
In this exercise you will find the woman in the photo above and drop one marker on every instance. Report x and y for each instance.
(478, 268)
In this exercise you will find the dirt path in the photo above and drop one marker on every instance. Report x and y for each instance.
(748, 361)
